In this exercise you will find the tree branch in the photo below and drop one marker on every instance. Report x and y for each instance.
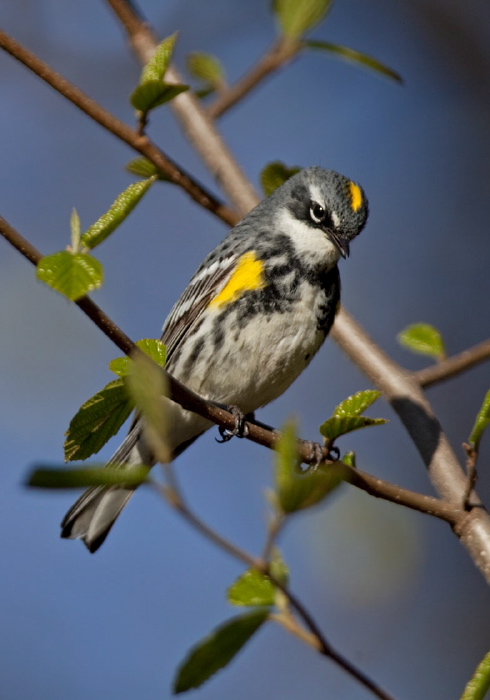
(453, 365)
(176, 500)
(258, 432)
(280, 53)
(415, 412)
(118, 128)
(198, 128)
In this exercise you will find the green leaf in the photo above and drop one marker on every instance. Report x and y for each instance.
(357, 403)
(154, 349)
(336, 426)
(97, 420)
(206, 67)
(296, 17)
(252, 588)
(279, 568)
(71, 274)
(217, 650)
(298, 489)
(154, 93)
(204, 92)
(51, 478)
(104, 413)
(280, 571)
(142, 167)
(274, 175)
(156, 67)
(481, 422)
(120, 366)
(75, 231)
(151, 347)
(347, 415)
(147, 385)
(350, 459)
(479, 685)
(122, 206)
(423, 339)
(287, 456)
(357, 57)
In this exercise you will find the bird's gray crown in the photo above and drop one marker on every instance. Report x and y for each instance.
(344, 201)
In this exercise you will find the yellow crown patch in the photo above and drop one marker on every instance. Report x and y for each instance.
(355, 195)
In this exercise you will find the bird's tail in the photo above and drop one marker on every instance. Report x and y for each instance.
(91, 517)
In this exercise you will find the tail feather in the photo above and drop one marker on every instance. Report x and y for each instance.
(92, 516)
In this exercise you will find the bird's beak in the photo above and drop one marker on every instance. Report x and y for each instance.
(339, 242)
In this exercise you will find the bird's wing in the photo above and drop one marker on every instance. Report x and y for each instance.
(206, 283)
(203, 287)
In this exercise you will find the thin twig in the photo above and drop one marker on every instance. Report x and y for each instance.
(281, 52)
(125, 133)
(197, 126)
(274, 528)
(415, 412)
(444, 510)
(325, 648)
(291, 624)
(176, 500)
(471, 472)
(453, 365)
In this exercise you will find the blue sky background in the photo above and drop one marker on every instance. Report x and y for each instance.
(392, 589)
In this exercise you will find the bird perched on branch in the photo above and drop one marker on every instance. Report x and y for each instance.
(248, 323)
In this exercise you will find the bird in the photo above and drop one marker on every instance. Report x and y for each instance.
(250, 320)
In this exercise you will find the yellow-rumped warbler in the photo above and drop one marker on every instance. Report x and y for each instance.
(248, 323)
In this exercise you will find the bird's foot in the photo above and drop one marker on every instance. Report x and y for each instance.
(241, 428)
(317, 454)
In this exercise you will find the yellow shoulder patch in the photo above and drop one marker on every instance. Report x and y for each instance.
(356, 196)
(247, 276)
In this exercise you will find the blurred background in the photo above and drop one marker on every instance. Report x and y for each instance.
(392, 589)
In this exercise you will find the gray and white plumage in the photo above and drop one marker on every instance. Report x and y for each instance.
(250, 320)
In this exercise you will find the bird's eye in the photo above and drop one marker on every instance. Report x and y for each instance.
(317, 213)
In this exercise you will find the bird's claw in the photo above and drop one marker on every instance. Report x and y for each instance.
(318, 454)
(315, 454)
(240, 430)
